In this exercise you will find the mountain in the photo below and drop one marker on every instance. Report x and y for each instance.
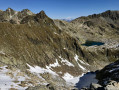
(95, 28)
(68, 19)
(36, 47)
(108, 78)
(37, 52)
(13, 16)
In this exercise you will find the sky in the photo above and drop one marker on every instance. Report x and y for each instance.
(62, 9)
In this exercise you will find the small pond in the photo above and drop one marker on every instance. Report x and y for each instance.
(92, 43)
(86, 80)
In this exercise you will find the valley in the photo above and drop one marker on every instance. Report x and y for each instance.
(40, 53)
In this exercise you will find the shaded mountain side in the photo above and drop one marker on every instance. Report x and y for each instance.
(109, 72)
(108, 77)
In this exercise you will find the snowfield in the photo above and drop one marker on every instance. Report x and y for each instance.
(14, 78)
(40, 70)
(6, 82)
(71, 79)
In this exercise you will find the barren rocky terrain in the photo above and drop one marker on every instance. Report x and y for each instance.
(39, 53)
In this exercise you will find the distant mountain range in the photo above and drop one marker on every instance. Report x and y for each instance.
(67, 19)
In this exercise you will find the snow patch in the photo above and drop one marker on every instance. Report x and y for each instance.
(60, 72)
(40, 70)
(71, 79)
(77, 59)
(6, 82)
(83, 62)
(66, 62)
(81, 66)
(64, 48)
(56, 64)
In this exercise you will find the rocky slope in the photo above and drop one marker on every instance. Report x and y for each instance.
(96, 28)
(38, 52)
(36, 47)
(13, 16)
(108, 78)
(108, 73)
(103, 27)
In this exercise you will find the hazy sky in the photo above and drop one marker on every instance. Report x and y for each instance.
(62, 8)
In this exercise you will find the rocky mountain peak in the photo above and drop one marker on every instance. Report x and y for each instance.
(42, 15)
(109, 13)
(27, 11)
(12, 16)
(9, 9)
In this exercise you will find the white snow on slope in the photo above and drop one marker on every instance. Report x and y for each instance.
(114, 69)
(65, 62)
(56, 64)
(6, 82)
(77, 59)
(71, 79)
(38, 69)
(84, 62)
(81, 66)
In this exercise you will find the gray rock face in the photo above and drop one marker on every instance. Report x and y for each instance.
(112, 85)
(110, 72)
(13, 16)
(94, 86)
(108, 78)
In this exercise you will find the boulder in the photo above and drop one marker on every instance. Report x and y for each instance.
(113, 85)
(94, 86)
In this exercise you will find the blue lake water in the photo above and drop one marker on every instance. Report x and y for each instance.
(86, 80)
(92, 43)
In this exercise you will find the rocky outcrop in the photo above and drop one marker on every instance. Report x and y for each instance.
(13, 16)
(108, 78)
(94, 86)
(108, 73)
